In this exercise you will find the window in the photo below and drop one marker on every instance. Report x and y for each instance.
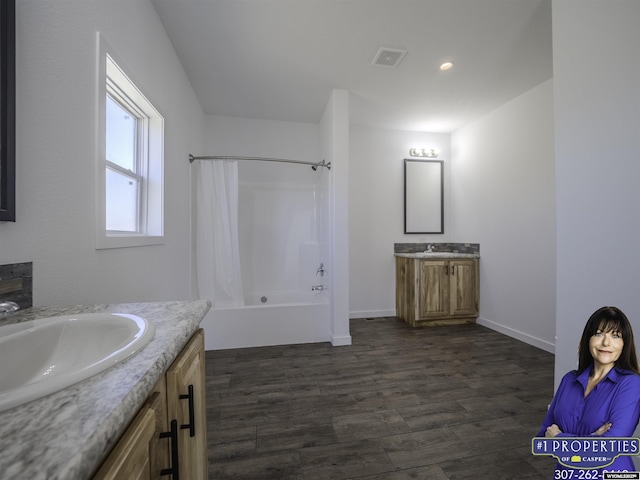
(130, 160)
(124, 179)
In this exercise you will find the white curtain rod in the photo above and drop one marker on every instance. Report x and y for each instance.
(314, 166)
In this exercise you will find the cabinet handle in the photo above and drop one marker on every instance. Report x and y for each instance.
(446, 269)
(453, 269)
(174, 470)
(192, 423)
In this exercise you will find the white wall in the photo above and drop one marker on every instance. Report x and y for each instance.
(503, 197)
(334, 128)
(597, 138)
(56, 151)
(376, 212)
(261, 138)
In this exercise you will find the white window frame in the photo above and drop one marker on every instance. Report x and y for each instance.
(113, 80)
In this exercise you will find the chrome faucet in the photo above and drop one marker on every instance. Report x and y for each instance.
(315, 288)
(320, 270)
(8, 308)
(429, 248)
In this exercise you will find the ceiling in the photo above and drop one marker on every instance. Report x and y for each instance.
(280, 59)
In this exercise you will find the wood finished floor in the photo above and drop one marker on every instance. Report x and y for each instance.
(438, 403)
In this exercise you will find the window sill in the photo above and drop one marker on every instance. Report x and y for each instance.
(124, 241)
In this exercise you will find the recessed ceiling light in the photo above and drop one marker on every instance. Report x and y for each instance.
(446, 66)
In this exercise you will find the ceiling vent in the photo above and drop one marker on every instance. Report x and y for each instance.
(388, 57)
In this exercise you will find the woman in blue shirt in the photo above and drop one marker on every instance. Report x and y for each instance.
(601, 397)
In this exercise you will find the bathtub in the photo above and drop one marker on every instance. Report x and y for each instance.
(269, 319)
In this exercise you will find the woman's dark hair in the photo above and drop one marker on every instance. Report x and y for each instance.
(609, 319)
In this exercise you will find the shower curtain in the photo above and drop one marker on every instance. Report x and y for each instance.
(217, 247)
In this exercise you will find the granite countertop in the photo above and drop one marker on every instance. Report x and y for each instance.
(66, 435)
(437, 255)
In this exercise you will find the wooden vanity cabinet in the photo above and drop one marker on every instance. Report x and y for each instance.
(186, 401)
(437, 291)
(171, 423)
(131, 457)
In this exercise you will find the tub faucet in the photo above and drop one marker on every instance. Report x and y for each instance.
(8, 308)
(315, 288)
(320, 270)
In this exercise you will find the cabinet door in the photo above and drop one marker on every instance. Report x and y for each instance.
(433, 289)
(186, 404)
(405, 307)
(131, 458)
(463, 287)
(159, 447)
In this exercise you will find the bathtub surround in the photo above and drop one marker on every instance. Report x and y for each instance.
(291, 220)
(16, 284)
(297, 320)
(67, 434)
(271, 216)
(282, 222)
(470, 248)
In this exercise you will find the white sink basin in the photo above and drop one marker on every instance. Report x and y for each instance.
(39, 357)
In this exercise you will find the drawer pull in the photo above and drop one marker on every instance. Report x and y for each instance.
(174, 470)
(192, 423)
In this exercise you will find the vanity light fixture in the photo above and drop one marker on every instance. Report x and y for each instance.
(424, 152)
(446, 66)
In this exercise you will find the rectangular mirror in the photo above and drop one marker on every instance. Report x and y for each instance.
(7, 111)
(423, 196)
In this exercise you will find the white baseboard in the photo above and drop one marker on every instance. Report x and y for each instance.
(372, 314)
(341, 341)
(518, 335)
(510, 332)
